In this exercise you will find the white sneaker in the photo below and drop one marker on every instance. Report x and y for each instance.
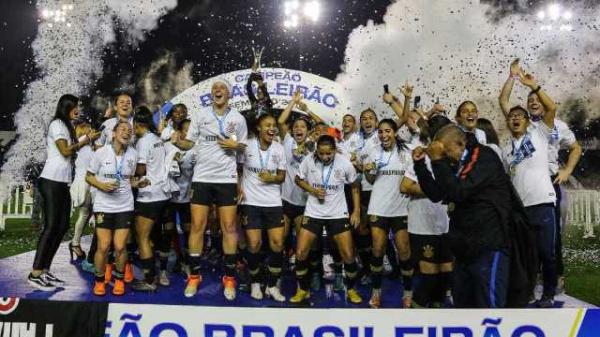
(275, 294)
(255, 292)
(163, 278)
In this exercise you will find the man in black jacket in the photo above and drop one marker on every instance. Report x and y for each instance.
(473, 182)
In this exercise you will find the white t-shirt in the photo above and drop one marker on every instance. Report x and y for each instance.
(186, 170)
(334, 176)
(104, 165)
(106, 136)
(481, 137)
(350, 145)
(531, 176)
(151, 152)
(424, 216)
(291, 192)
(386, 199)
(562, 138)
(367, 145)
(257, 193)
(216, 164)
(84, 157)
(57, 167)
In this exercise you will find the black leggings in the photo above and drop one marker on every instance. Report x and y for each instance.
(57, 211)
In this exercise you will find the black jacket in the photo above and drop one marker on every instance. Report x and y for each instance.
(478, 197)
(258, 107)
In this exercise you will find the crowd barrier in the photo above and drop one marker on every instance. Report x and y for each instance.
(583, 208)
(34, 318)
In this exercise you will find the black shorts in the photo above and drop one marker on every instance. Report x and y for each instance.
(292, 211)
(181, 209)
(395, 224)
(154, 210)
(256, 217)
(365, 196)
(333, 226)
(430, 248)
(207, 194)
(113, 221)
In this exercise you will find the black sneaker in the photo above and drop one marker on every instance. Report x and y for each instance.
(142, 285)
(49, 277)
(39, 282)
(545, 302)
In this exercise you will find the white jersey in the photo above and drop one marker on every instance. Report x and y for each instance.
(367, 145)
(561, 138)
(84, 157)
(424, 216)
(57, 167)
(104, 165)
(350, 145)
(166, 133)
(291, 192)
(152, 153)
(386, 199)
(216, 164)
(481, 137)
(257, 193)
(530, 176)
(106, 136)
(186, 171)
(332, 178)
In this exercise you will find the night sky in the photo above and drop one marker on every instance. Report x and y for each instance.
(216, 38)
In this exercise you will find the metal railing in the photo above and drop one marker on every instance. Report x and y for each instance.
(18, 206)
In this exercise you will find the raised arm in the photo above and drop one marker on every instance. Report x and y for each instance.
(285, 114)
(549, 106)
(249, 90)
(302, 106)
(504, 99)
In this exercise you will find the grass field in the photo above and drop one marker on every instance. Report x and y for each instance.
(582, 257)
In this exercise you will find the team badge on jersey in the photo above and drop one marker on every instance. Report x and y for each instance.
(230, 129)
(372, 218)
(99, 218)
(338, 174)
(304, 220)
(428, 251)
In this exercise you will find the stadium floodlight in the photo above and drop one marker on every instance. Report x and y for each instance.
(554, 12)
(568, 15)
(541, 15)
(57, 16)
(312, 10)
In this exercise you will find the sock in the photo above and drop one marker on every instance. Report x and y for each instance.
(230, 260)
(92, 251)
(194, 261)
(118, 274)
(376, 271)
(275, 265)
(443, 284)
(148, 268)
(164, 259)
(99, 277)
(363, 246)
(424, 288)
(337, 259)
(314, 259)
(351, 273)
(407, 270)
(253, 260)
(302, 275)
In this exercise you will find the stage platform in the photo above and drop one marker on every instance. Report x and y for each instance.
(14, 270)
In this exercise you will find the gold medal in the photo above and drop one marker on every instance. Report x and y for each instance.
(513, 170)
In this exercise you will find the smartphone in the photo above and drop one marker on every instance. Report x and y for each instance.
(386, 88)
(417, 102)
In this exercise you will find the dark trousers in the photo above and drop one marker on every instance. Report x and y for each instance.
(542, 216)
(560, 268)
(481, 282)
(57, 211)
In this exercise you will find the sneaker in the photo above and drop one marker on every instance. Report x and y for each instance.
(338, 282)
(191, 287)
(40, 283)
(118, 288)
(353, 296)
(375, 301)
(545, 302)
(301, 296)
(255, 292)
(128, 273)
(88, 267)
(229, 287)
(275, 294)
(163, 278)
(99, 288)
(142, 285)
(48, 276)
(315, 282)
(108, 273)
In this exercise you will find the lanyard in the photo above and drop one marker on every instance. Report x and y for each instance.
(263, 165)
(380, 163)
(221, 121)
(325, 180)
(463, 160)
(119, 167)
